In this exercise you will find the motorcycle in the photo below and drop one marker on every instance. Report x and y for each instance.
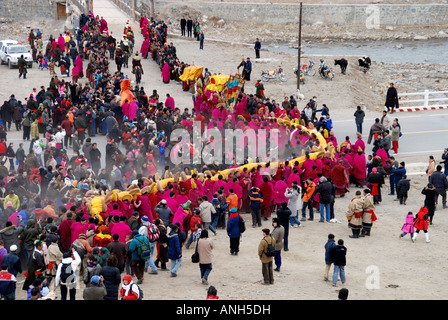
(327, 73)
(302, 75)
(267, 75)
(308, 68)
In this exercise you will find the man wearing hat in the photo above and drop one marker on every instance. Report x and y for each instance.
(278, 235)
(325, 190)
(96, 290)
(207, 209)
(266, 261)
(164, 212)
(137, 264)
(12, 260)
(233, 231)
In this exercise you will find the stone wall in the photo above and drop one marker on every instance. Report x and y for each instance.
(327, 14)
(26, 9)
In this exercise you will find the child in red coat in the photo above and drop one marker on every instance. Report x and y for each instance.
(129, 290)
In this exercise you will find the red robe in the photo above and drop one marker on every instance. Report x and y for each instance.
(267, 190)
(65, 234)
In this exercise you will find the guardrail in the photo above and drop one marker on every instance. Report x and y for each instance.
(82, 5)
(128, 7)
(425, 103)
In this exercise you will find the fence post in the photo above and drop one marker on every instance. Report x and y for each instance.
(426, 102)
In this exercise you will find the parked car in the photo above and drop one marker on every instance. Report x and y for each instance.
(10, 52)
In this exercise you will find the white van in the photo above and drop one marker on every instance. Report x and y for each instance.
(10, 52)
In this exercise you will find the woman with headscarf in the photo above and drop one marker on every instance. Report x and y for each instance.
(129, 290)
(375, 180)
(421, 223)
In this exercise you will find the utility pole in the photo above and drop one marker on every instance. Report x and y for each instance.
(299, 68)
(151, 8)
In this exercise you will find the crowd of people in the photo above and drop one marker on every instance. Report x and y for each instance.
(89, 218)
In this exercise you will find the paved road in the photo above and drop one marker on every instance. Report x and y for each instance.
(424, 132)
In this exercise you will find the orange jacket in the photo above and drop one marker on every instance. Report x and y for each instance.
(232, 201)
(309, 190)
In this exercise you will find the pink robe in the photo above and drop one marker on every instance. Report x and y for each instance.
(114, 212)
(126, 208)
(103, 25)
(172, 204)
(169, 103)
(359, 167)
(133, 110)
(145, 208)
(293, 177)
(77, 228)
(181, 199)
(179, 216)
(208, 189)
(79, 66)
(383, 155)
(193, 196)
(122, 229)
(307, 167)
(125, 109)
(286, 172)
(280, 189)
(145, 48)
(61, 43)
(166, 73)
(218, 184)
(359, 144)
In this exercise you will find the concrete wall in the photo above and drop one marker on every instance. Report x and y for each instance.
(383, 14)
(26, 9)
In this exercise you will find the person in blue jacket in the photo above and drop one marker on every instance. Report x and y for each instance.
(174, 249)
(233, 231)
(256, 198)
(329, 246)
(137, 264)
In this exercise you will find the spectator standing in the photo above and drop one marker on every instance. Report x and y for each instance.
(266, 261)
(257, 48)
(339, 254)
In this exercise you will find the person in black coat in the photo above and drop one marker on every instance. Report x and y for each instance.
(183, 24)
(391, 98)
(6, 115)
(430, 193)
(359, 118)
(440, 182)
(95, 158)
(338, 255)
(111, 277)
(403, 187)
(189, 27)
(283, 215)
(325, 190)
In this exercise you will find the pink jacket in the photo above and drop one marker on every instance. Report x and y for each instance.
(408, 226)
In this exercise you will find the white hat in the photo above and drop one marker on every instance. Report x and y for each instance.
(13, 248)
